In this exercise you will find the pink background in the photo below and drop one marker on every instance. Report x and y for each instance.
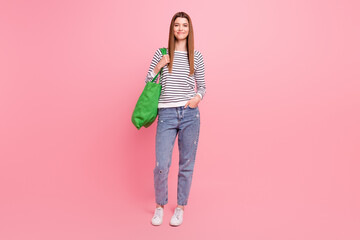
(279, 148)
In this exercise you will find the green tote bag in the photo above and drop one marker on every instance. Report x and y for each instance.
(146, 108)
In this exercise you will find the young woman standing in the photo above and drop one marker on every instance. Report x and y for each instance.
(178, 113)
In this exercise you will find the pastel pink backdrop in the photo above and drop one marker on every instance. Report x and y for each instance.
(278, 154)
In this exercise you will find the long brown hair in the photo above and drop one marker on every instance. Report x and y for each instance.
(189, 42)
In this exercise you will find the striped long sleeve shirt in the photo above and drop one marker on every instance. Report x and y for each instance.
(177, 87)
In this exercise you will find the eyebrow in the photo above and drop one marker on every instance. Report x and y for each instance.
(180, 23)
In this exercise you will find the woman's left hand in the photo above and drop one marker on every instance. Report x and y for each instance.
(193, 103)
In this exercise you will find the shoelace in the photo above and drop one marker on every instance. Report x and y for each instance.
(157, 213)
(178, 213)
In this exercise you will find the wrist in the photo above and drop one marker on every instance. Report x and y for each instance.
(156, 69)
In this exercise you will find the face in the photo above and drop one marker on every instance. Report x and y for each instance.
(181, 28)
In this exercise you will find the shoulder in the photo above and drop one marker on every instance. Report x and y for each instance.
(198, 54)
(157, 54)
(198, 57)
(158, 51)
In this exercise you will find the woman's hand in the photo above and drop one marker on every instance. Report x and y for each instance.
(163, 61)
(193, 103)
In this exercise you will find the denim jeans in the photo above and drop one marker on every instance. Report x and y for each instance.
(186, 123)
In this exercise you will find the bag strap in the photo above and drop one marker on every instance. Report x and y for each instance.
(163, 51)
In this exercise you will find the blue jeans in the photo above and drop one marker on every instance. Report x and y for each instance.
(172, 121)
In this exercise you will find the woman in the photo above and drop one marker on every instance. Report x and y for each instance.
(178, 113)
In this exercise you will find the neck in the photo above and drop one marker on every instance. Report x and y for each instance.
(180, 45)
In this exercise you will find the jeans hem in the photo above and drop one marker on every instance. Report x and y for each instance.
(182, 204)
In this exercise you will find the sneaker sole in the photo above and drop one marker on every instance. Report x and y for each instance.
(156, 224)
(173, 225)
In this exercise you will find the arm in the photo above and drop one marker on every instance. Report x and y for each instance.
(153, 66)
(200, 76)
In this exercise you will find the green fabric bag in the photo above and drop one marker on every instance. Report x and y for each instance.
(146, 108)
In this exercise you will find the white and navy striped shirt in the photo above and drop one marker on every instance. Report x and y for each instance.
(177, 87)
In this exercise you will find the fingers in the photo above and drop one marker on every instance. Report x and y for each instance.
(165, 60)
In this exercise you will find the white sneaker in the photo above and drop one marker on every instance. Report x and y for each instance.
(158, 216)
(177, 218)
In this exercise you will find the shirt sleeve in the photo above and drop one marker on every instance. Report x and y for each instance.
(200, 75)
(156, 59)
